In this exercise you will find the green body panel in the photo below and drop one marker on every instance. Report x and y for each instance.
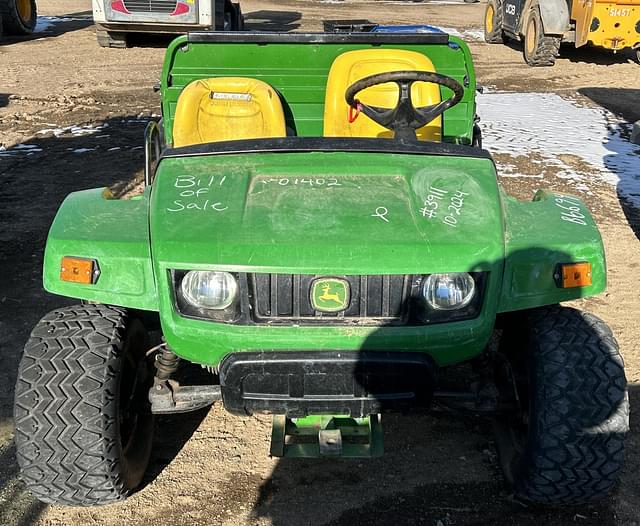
(268, 226)
(537, 239)
(258, 224)
(299, 73)
(321, 213)
(113, 232)
(268, 212)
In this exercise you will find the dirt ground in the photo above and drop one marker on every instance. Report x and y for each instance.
(209, 467)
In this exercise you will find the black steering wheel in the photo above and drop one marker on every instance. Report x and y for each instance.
(405, 118)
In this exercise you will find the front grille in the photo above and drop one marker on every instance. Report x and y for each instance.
(150, 6)
(375, 300)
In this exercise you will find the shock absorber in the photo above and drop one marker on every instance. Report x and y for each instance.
(161, 394)
(166, 363)
(168, 396)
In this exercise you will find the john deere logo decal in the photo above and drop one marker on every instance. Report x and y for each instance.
(330, 295)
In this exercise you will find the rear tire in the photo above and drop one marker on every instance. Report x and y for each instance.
(19, 17)
(493, 33)
(572, 450)
(239, 18)
(111, 39)
(83, 421)
(539, 49)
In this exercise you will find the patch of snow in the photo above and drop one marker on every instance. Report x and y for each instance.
(25, 147)
(56, 131)
(18, 149)
(473, 34)
(45, 23)
(468, 35)
(583, 144)
(89, 129)
(75, 130)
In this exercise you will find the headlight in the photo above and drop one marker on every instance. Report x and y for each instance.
(205, 289)
(448, 291)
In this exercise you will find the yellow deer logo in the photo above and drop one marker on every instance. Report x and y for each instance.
(325, 296)
(330, 295)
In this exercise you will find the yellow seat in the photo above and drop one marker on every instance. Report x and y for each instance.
(355, 65)
(227, 108)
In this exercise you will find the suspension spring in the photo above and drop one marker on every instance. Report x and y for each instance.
(166, 364)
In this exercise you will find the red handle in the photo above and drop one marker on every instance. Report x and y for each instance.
(353, 116)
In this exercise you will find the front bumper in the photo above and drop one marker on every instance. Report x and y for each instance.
(208, 342)
(152, 27)
(300, 383)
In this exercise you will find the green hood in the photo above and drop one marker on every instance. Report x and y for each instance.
(343, 213)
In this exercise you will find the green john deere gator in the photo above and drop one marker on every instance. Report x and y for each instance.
(322, 231)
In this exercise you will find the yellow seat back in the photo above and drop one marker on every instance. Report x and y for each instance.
(227, 108)
(355, 65)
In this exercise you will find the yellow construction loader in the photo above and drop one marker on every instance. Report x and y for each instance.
(17, 17)
(543, 24)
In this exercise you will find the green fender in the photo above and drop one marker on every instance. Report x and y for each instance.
(113, 232)
(540, 234)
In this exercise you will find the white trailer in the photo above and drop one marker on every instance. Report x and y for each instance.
(116, 18)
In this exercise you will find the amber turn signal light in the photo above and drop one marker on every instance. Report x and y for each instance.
(79, 270)
(575, 275)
